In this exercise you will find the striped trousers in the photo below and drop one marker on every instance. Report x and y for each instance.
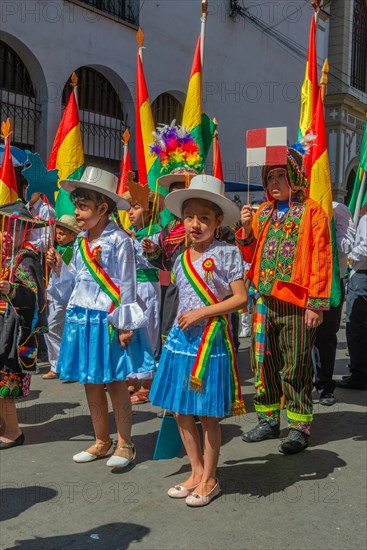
(287, 365)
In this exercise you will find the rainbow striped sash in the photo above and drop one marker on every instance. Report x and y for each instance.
(99, 275)
(214, 324)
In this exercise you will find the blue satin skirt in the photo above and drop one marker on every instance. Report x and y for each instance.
(171, 385)
(88, 354)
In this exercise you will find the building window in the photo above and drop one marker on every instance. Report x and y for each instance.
(126, 10)
(359, 46)
(166, 108)
(102, 118)
(18, 98)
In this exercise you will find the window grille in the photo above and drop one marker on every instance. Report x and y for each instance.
(166, 108)
(18, 98)
(102, 119)
(359, 46)
(126, 10)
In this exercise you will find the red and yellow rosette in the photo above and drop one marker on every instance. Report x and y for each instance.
(208, 266)
(288, 226)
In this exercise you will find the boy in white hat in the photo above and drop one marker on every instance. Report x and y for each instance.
(101, 341)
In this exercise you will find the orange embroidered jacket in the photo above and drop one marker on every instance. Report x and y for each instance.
(291, 261)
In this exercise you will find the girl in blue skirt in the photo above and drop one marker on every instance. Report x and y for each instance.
(101, 342)
(197, 373)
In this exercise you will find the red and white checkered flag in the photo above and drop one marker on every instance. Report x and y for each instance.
(266, 147)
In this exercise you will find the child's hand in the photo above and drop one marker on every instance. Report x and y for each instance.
(130, 233)
(246, 218)
(149, 246)
(189, 318)
(5, 287)
(313, 318)
(54, 261)
(125, 337)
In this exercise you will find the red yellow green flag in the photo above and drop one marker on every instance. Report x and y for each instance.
(321, 189)
(309, 93)
(149, 168)
(8, 182)
(310, 86)
(67, 154)
(200, 126)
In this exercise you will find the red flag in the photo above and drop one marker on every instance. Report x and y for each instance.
(8, 181)
(125, 168)
(218, 169)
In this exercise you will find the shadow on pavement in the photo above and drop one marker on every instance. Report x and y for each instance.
(112, 535)
(16, 500)
(262, 476)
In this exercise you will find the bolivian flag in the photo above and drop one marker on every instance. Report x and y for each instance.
(67, 154)
(8, 181)
(200, 126)
(149, 168)
(310, 86)
(321, 190)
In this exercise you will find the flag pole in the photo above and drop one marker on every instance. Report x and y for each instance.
(215, 142)
(204, 11)
(125, 143)
(140, 41)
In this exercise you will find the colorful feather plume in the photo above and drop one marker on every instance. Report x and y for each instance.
(176, 148)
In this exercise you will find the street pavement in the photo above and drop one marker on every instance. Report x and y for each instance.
(316, 499)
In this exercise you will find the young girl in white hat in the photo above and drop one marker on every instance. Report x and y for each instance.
(197, 373)
(101, 344)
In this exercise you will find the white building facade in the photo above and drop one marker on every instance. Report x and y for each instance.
(254, 67)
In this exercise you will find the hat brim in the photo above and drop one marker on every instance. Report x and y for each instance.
(71, 185)
(174, 202)
(36, 224)
(166, 181)
(68, 227)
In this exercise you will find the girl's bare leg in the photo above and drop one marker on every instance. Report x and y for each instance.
(191, 440)
(9, 421)
(98, 407)
(121, 404)
(212, 441)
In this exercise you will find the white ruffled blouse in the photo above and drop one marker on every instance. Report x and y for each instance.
(228, 267)
(76, 286)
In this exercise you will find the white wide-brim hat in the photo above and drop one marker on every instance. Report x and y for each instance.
(208, 188)
(98, 180)
(177, 175)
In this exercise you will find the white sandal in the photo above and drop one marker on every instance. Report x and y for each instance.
(84, 456)
(116, 461)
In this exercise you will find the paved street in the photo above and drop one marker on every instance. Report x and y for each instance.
(312, 500)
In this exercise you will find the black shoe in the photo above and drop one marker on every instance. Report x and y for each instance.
(18, 441)
(351, 383)
(163, 413)
(327, 398)
(260, 432)
(295, 443)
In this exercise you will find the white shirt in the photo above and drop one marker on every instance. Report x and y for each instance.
(40, 238)
(359, 251)
(77, 287)
(345, 233)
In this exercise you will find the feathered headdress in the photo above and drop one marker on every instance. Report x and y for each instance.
(176, 148)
